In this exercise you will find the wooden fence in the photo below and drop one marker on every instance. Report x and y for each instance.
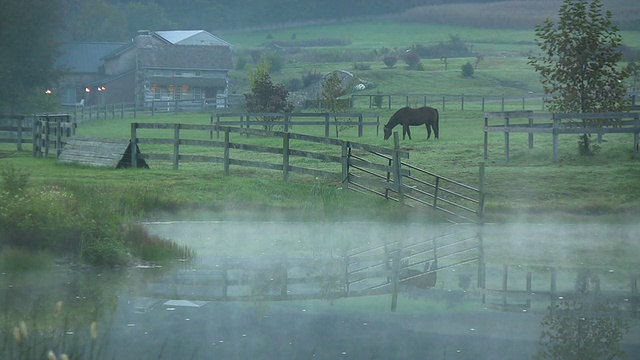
(586, 123)
(356, 166)
(542, 299)
(287, 121)
(43, 131)
(444, 102)
(129, 109)
(386, 269)
(16, 129)
(50, 133)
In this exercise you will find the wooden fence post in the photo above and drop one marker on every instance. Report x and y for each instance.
(134, 145)
(19, 122)
(285, 156)
(435, 193)
(58, 138)
(326, 125)
(486, 136)
(506, 138)
(462, 102)
(176, 146)
(226, 151)
(528, 306)
(345, 165)
(530, 133)
(482, 104)
(395, 277)
(360, 125)
(482, 274)
(505, 275)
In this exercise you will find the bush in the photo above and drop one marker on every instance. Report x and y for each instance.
(390, 60)
(467, 70)
(311, 77)
(419, 67)
(412, 59)
(276, 60)
(361, 66)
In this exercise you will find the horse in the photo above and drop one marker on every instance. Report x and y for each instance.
(407, 116)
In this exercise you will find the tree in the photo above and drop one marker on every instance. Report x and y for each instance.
(330, 99)
(467, 70)
(577, 337)
(28, 50)
(266, 97)
(578, 61)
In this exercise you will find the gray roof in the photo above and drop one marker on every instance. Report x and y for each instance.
(85, 57)
(179, 37)
(186, 57)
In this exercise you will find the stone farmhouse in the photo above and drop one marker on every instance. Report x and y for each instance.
(155, 66)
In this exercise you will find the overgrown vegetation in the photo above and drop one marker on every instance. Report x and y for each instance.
(86, 223)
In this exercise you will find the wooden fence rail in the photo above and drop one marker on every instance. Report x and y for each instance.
(16, 129)
(287, 120)
(356, 166)
(585, 123)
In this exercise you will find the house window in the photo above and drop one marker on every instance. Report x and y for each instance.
(197, 73)
(157, 73)
(197, 93)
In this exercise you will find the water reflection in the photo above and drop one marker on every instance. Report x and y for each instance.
(179, 311)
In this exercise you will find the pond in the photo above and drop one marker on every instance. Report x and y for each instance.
(209, 309)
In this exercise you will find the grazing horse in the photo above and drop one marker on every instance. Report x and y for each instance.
(407, 116)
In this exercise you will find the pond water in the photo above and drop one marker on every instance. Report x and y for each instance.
(166, 312)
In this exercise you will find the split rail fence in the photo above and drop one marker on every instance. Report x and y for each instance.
(562, 124)
(45, 132)
(287, 121)
(356, 166)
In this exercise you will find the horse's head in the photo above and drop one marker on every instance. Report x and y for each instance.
(387, 132)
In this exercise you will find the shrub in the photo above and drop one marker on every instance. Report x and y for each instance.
(311, 77)
(361, 66)
(390, 60)
(467, 70)
(14, 181)
(412, 59)
(276, 60)
(377, 100)
(419, 67)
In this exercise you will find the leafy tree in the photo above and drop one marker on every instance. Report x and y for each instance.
(266, 97)
(467, 70)
(28, 50)
(578, 337)
(578, 61)
(332, 90)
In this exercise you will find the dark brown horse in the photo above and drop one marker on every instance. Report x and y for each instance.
(407, 116)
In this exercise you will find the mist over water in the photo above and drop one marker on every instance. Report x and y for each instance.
(163, 312)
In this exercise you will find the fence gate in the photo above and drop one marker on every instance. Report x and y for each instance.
(399, 265)
(50, 132)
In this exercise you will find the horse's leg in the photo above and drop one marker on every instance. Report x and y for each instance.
(409, 132)
(428, 131)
